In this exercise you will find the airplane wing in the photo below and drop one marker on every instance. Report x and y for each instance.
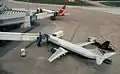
(60, 51)
(83, 44)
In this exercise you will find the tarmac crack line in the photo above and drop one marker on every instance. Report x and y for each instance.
(74, 33)
(103, 36)
(111, 32)
(36, 65)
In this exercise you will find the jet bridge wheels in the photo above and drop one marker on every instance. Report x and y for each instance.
(92, 39)
(43, 38)
(54, 16)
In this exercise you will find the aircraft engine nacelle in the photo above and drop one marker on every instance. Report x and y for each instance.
(53, 50)
(58, 34)
(92, 39)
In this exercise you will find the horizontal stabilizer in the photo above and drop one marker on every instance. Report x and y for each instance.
(99, 59)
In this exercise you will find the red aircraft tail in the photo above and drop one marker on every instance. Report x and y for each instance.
(61, 12)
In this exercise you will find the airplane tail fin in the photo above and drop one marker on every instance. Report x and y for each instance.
(100, 59)
(61, 12)
(105, 45)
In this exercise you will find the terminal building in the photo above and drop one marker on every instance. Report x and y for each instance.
(11, 20)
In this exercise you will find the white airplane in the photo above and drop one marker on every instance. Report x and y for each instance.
(65, 47)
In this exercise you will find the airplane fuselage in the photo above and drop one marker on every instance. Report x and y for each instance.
(73, 47)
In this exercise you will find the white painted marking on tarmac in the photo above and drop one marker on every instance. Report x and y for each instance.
(67, 13)
(54, 23)
(41, 58)
(112, 12)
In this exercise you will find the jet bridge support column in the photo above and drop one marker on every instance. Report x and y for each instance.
(26, 23)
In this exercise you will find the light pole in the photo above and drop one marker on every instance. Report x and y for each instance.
(1, 2)
(27, 17)
(28, 7)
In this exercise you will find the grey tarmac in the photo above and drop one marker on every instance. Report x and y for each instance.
(77, 27)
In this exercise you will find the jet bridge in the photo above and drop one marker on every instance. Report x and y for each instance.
(18, 36)
(26, 36)
(34, 37)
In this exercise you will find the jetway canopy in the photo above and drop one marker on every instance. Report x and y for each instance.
(18, 36)
(43, 15)
(28, 36)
